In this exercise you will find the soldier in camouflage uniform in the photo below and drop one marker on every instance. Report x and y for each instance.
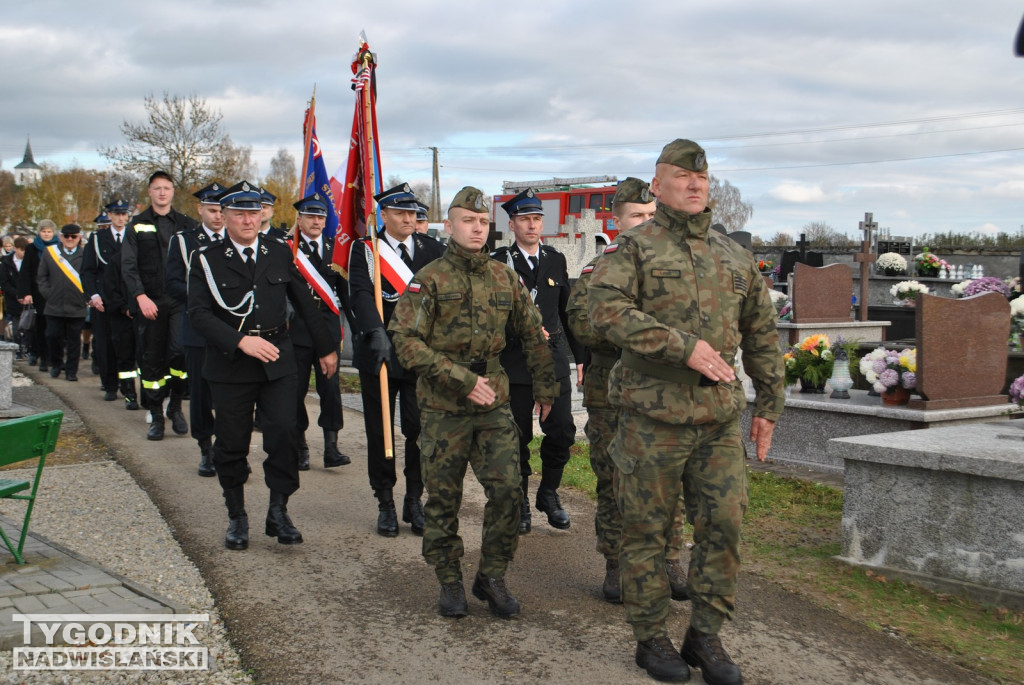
(450, 328)
(680, 301)
(632, 205)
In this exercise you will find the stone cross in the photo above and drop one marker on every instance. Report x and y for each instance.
(802, 244)
(865, 257)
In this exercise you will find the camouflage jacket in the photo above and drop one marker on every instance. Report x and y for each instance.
(667, 283)
(450, 326)
(599, 351)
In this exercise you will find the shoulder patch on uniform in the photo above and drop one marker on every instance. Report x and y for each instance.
(587, 269)
(414, 287)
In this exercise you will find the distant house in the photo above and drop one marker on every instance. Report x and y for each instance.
(28, 172)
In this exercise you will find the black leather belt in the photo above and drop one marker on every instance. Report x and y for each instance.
(266, 332)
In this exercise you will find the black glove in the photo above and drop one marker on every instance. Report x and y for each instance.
(380, 347)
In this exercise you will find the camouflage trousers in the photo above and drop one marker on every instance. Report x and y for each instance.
(600, 429)
(489, 443)
(707, 463)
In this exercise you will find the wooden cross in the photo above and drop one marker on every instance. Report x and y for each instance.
(865, 257)
(803, 245)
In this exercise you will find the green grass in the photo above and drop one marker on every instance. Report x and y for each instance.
(791, 535)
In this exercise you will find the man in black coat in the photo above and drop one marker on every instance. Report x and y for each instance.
(60, 282)
(543, 271)
(325, 285)
(179, 256)
(143, 263)
(238, 296)
(402, 254)
(10, 267)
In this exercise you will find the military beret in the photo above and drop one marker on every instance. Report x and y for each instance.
(210, 195)
(399, 197)
(685, 154)
(118, 206)
(469, 198)
(633, 190)
(242, 195)
(102, 220)
(314, 205)
(70, 229)
(524, 203)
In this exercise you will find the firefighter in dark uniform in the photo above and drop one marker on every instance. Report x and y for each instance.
(312, 212)
(97, 255)
(179, 256)
(372, 347)
(143, 262)
(267, 202)
(238, 296)
(544, 273)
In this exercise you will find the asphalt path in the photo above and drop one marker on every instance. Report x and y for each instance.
(349, 606)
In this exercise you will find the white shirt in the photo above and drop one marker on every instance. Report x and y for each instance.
(395, 242)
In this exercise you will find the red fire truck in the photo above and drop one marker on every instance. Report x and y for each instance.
(563, 197)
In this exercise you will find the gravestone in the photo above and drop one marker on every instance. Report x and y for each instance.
(791, 258)
(743, 238)
(822, 295)
(961, 351)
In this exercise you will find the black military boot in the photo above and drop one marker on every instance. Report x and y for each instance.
(677, 579)
(547, 498)
(705, 651)
(661, 660)
(303, 450)
(332, 457)
(238, 526)
(206, 467)
(85, 351)
(525, 519)
(178, 423)
(412, 513)
(387, 519)
(131, 400)
(156, 428)
(612, 586)
(497, 596)
(279, 524)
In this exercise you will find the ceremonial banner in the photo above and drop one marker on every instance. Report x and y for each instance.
(314, 176)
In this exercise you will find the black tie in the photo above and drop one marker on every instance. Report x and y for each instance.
(250, 261)
(533, 261)
(117, 238)
(405, 254)
(216, 237)
(314, 253)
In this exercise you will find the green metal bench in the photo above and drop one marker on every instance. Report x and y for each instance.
(32, 437)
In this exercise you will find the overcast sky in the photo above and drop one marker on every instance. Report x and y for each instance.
(816, 111)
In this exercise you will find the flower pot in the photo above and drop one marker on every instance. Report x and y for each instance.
(896, 396)
(894, 272)
(808, 386)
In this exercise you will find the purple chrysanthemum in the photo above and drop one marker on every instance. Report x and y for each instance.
(889, 378)
(878, 366)
(909, 380)
(1017, 390)
(985, 285)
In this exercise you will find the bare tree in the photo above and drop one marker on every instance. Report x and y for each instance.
(781, 239)
(727, 206)
(283, 181)
(821, 234)
(182, 136)
(229, 164)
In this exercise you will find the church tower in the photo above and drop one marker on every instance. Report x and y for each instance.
(28, 172)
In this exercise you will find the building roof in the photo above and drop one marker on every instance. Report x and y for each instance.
(28, 162)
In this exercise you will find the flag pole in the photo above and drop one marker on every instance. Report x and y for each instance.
(371, 229)
(307, 138)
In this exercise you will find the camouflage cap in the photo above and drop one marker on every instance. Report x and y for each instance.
(633, 190)
(685, 154)
(469, 198)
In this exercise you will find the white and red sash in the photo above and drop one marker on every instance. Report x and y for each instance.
(392, 269)
(316, 281)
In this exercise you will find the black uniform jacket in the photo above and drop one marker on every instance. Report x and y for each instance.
(277, 281)
(550, 282)
(300, 332)
(364, 311)
(102, 252)
(144, 253)
(183, 246)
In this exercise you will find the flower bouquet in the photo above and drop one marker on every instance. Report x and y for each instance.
(987, 284)
(928, 265)
(891, 264)
(892, 374)
(905, 292)
(1017, 391)
(810, 362)
(765, 265)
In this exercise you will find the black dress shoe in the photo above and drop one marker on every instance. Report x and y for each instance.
(131, 403)
(44, 367)
(612, 586)
(497, 596)
(72, 377)
(412, 513)
(705, 651)
(453, 600)
(109, 395)
(525, 521)
(387, 519)
(677, 580)
(661, 660)
(54, 371)
(548, 502)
